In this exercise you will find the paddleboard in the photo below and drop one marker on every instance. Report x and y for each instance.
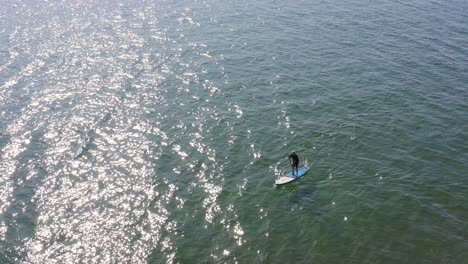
(289, 177)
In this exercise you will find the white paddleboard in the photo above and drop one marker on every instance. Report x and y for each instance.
(290, 178)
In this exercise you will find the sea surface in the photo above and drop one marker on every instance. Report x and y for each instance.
(153, 131)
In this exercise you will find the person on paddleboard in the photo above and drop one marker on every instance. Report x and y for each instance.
(294, 160)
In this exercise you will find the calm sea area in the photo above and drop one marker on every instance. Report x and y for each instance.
(153, 131)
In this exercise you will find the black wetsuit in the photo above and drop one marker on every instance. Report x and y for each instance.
(295, 162)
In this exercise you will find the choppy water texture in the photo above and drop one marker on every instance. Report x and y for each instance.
(153, 131)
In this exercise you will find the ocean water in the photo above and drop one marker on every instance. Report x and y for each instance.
(153, 131)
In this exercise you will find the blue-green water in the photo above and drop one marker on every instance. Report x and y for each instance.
(153, 131)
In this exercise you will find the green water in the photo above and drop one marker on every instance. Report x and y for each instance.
(153, 131)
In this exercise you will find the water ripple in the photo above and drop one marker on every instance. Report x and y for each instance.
(152, 131)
